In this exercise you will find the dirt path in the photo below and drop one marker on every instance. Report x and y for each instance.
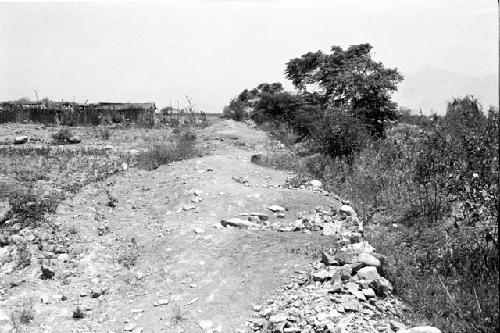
(147, 238)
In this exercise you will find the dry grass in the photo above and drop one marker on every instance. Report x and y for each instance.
(22, 316)
(183, 147)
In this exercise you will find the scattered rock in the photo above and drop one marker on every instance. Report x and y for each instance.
(421, 329)
(188, 207)
(347, 210)
(4, 316)
(330, 229)
(369, 293)
(18, 140)
(368, 260)
(381, 286)
(161, 302)
(74, 140)
(4, 208)
(198, 230)
(368, 273)
(128, 327)
(256, 307)
(351, 305)
(346, 257)
(276, 209)
(205, 324)
(64, 257)
(192, 301)
(328, 259)
(47, 274)
(262, 216)
(239, 223)
(396, 325)
(253, 218)
(321, 275)
(278, 318)
(316, 184)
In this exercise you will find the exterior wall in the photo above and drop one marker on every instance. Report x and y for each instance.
(142, 114)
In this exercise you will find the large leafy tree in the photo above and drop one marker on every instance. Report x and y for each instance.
(348, 79)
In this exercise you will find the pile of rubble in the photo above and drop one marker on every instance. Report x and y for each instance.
(345, 292)
(342, 223)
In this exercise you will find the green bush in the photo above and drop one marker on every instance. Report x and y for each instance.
(439, 184)
(339, 135)
(29, 209)
(235, 110)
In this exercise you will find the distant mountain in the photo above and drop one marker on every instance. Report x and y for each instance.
(430, 89)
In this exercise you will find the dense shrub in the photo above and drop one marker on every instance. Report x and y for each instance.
(29, 209)
(235, 110)
(339, 135)
(440, 183)
(428, 195)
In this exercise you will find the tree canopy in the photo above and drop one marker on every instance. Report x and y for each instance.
(349, 79)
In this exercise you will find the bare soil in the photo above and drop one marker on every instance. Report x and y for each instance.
(135, 240)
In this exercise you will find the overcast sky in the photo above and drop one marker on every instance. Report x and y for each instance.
(211, 50)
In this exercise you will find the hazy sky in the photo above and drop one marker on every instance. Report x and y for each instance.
(211, 50)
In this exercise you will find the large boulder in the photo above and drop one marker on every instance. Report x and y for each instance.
(368, 273)
(347, 210)
(368, 260)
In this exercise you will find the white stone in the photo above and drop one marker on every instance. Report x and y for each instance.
(129, 327)
(316, 183)
(161, 302)
(239, 223)
(20, 139)
(276, 209)
(368, 273)
(205, 324)
(4, 316)
(368, 260)
(278, 318)
(188, 207)
(347, 210)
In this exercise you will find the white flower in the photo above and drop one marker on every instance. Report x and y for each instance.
(475, 175)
